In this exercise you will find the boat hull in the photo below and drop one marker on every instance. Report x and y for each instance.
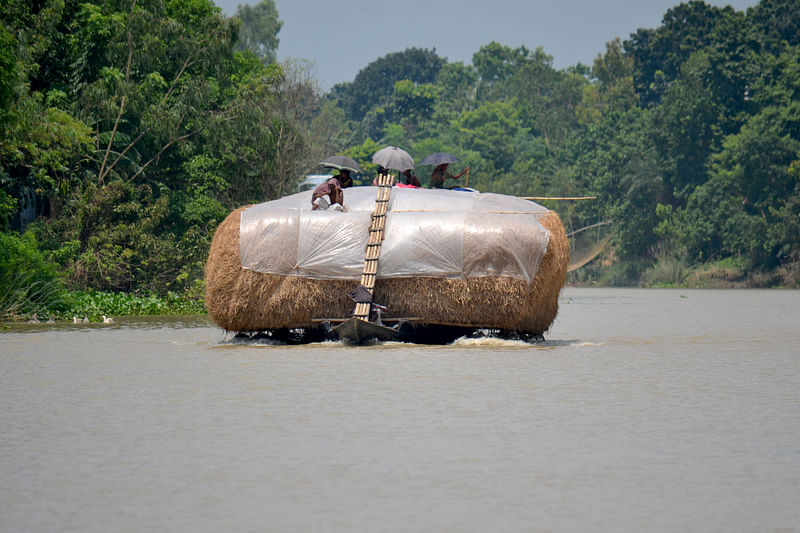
(358, 331)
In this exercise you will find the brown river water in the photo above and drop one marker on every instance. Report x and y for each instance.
(644, 410)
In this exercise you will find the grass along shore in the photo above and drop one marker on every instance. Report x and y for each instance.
(64, 305)
(669, 271)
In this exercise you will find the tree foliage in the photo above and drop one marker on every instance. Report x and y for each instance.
(131, 127)
(686, 132)
(258, 29)
(659, 53)
(375, 82)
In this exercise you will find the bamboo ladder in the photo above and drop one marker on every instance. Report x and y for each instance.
(373, 251)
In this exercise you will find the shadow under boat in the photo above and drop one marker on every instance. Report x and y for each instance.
(356, 331)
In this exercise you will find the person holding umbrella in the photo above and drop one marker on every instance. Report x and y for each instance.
(345, 179)
(333, 187)
(393, 157)
(439, 176)
(389, 158)
(380, 171)
(345, 165)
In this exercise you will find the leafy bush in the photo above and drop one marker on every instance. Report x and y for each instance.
(28, 282)
(8, 205)
(669, 270)
(94, 304)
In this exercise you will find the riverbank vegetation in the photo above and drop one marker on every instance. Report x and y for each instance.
(130, 128)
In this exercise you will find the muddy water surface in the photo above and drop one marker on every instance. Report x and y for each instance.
(645, 410)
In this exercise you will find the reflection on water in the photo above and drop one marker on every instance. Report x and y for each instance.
(643, 410)
(484, 342)
(138, 323)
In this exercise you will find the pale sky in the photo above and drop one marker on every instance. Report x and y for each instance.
(340, 37)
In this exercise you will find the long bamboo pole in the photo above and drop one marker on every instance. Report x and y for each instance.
(558, 197)
(588, 227)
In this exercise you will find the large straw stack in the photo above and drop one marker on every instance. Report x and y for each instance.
(244, 300)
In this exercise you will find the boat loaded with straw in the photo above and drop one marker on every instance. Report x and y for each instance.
(419, 265)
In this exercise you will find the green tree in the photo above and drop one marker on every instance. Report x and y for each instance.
(258, 29)
(374, 84)
(413, 104)
(42, 148)
(613, 91)
(659, 53)
(706, 102)
(614, 66)
(749, 204)
(257, 139)
(779, 22)
(616, 161)
(8, 75)
(491, 130)
(143, 186)
(29, 283)
(328, 131)
(362, 153)
(547, 99)
(458, 83)
(687, 132)
(495, 62)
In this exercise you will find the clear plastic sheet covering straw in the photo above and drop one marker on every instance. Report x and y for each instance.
(429, 233)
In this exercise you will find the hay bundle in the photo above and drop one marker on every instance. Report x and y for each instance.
(241, 299)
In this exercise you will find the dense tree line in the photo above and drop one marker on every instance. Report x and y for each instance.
(130, 128)
(686, 133)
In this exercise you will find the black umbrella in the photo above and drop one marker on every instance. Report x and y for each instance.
(393, 157)
(438, 158)
(342, 162)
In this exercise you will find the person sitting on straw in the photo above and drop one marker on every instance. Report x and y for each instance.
(440, 175)
(410, 179)
(331, 188)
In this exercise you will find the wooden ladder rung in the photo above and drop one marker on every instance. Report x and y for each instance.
(371, 266)
(373, 251)
(362, 311)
